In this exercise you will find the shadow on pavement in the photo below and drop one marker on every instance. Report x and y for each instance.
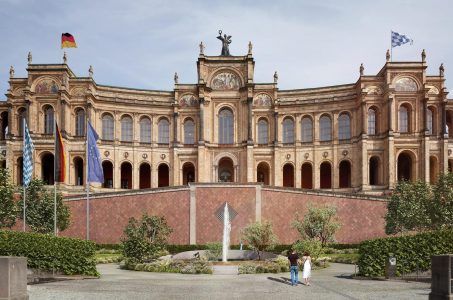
(283, 280)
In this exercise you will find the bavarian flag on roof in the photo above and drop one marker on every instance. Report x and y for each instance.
(67, 41)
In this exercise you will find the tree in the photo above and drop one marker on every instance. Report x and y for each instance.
(408, 208)
(40, 208)
(312, 246)
(144, 238)
(441, 208)
(260, 236)
(319, 223)
(8, 207)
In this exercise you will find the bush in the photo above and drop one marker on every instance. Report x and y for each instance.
(39, 212)
(45, 252)
(145, 239)
(319, 223)
(198, 266)
(277, 265)
(214, 251)
(8, 206)
(312, 246)
(260, 237)
(412, 252)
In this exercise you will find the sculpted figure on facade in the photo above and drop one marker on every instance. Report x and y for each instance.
(226, 41)
(188, 100)
(225, 81)
(405, 84)
(262, 100)
(46, 86)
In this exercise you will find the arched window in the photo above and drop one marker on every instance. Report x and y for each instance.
(288, 131)
(226, 126)
(371, 121)
(403, 119)
(429, 121)
(344, 127)
(307, 130)
(263, 134)
(164, 131)
(325, 129)
(48, 120)
(145, 130)
(126, 129)
(107, 127)
(80, 122)
(189, 132)
(20, 121)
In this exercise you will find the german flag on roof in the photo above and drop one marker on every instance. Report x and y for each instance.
(67, 41)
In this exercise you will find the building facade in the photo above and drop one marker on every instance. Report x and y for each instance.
(358, 137)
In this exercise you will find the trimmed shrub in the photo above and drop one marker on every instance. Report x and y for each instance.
(277, 265)
(45, 252)
(412, 252)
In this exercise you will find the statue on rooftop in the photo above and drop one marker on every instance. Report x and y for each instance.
(201, 48)
(29, 58)
(226, 41)
(11, 72)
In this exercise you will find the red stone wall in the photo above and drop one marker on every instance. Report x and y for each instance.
(210, 199)
(109, 215)
(361, 218)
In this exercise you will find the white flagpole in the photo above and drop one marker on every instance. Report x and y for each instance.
(55, 179)
(87, 184)
(23, 137)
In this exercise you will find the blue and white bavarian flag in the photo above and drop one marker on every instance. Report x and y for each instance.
(27, 156)
(95, 172)
(399, 39)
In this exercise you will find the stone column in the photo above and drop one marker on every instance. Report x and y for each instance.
(275, 128)
(175, 128)
(201, 127)
(249, 123)
(444, 118)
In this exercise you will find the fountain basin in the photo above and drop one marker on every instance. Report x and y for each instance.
(232, 255)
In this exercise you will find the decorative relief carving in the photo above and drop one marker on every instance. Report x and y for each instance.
(106, 153)
(225, 81)
(18, 92)
(374, 90)
(79, 91)
(405, 84)
(433, 90)
(325, 154)
(262, 100)
(47, 86)
(188, 100)
(345, 153)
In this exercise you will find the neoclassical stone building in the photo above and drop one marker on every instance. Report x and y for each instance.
(358, 137)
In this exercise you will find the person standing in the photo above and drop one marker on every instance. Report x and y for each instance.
(294, 267)
(306, 274)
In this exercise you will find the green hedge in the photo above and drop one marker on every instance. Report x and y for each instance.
(412, 252)
(46, 252)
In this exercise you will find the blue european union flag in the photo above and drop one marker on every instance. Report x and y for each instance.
(95, 173)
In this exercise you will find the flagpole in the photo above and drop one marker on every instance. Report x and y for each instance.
(23, 137)
(391, 48)
(87, 184)
(55, 179)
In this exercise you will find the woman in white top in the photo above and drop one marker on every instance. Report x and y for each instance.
(306, 259)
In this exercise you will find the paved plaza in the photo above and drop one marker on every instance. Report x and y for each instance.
(330, 283)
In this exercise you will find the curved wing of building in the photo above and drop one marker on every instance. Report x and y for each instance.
(358, 137)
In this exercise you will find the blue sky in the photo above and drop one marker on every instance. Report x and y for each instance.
(141, 43)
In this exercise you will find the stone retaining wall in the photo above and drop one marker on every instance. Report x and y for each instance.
(191, 212)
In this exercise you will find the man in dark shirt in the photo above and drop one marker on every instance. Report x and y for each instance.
(293, 267)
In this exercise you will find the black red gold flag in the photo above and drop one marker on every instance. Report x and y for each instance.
(67, 41)
(60, 158)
